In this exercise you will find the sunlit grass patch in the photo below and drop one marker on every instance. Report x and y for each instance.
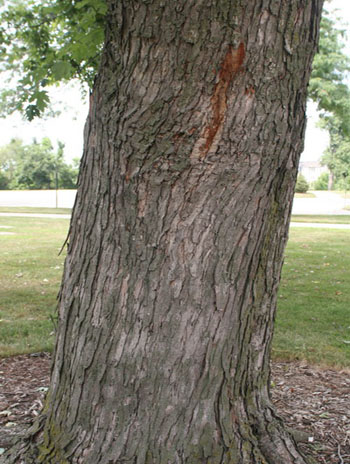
(305, 195)
(313, 317)
(30, 275)
(322, 218)
(33, 210)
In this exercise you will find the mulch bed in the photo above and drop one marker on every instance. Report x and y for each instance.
(317, 402)
(314, 401)
(23, 385)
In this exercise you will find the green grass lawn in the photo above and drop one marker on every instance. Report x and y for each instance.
(322, 218)
(305, 195)
(313, 317)
(342, 193)
(30, 273)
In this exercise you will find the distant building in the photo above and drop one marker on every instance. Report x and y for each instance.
(312, 170)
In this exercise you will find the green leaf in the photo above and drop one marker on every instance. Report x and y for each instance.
(31, 111)
(43, 43)
(62, 70)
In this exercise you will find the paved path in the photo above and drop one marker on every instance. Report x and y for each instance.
(315, 225)
(323, 203)
(38, 198)
(293, 224)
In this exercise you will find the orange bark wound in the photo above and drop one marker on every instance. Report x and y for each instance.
(231, 65)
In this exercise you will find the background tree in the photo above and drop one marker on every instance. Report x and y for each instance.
(329, 88)
(3, 181)
(337, 154)
(302, 185)
(330, 68)
(321, 183)
(175, 250)
(10, 156)
(35, 166)
(66, 175)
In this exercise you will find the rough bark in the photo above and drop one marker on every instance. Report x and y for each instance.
(176, 243)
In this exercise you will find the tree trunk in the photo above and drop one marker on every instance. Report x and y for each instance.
(175, 250)
(330, 181)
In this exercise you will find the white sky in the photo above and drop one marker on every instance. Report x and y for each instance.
(68, 127)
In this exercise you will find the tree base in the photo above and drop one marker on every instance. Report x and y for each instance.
(25, 449)
(270, 444)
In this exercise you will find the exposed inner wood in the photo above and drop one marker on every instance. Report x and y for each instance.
(231, 65)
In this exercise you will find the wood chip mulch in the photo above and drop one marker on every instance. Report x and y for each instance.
(316, 402)
(23, 384)
(313, 401)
